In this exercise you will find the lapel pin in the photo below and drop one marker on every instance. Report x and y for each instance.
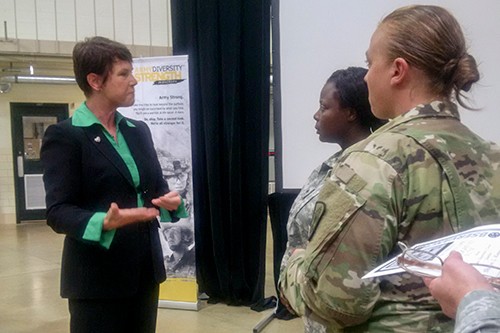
(97, 139)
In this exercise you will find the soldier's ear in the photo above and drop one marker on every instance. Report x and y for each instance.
(400, 70)
(352, 115)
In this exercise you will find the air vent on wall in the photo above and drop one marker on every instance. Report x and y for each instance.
(5, 87)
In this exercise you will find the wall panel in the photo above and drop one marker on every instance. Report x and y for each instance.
(325, 35)
(104, 18)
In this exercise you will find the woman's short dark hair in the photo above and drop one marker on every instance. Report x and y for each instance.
(96, 55)
(353, 94)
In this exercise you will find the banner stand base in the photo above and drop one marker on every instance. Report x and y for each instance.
(195, 306)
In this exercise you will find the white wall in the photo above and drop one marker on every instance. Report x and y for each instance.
(132, 22)
(51, 28)
(320, 36)
(32, 93)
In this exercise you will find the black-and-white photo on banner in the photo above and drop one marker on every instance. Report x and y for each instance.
(162, 101)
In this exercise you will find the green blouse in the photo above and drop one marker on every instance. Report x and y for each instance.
(83, 117)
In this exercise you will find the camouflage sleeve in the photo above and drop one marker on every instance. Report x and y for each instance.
(291, 279)
(479, 312)
(388, 190)
(326, 277)
(300, 215)
(299, 218)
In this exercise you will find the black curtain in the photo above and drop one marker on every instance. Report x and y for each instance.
(229, 58)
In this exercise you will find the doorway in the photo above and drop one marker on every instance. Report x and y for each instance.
(29, 122)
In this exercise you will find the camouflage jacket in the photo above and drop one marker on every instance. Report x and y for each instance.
(479, 312)
(421, 176)
(300, 218)
(301, 212)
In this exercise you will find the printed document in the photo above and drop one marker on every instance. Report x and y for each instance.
(479, 245)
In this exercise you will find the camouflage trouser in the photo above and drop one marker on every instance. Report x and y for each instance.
(311, 326)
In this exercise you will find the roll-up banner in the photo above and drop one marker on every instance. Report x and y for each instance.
(162, 102)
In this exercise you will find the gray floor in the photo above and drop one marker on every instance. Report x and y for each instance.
(29, 291)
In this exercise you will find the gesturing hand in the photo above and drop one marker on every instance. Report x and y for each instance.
(169, 201)
(118, 217)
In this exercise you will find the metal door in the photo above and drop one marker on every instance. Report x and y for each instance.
(29, 122)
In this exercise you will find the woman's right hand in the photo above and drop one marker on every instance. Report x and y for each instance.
(118, 217)
(457, 280)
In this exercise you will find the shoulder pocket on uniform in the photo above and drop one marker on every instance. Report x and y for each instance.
(338, 201)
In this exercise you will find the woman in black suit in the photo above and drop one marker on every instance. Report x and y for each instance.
(104, 191)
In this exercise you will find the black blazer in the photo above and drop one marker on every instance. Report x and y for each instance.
(83, 174)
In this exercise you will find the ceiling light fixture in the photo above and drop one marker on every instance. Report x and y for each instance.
(39, 79)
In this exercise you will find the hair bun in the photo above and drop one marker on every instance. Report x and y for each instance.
(468, 72)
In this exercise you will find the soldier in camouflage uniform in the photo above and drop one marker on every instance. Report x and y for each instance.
(422, 176)
(479, 313)
(344, 117)
(299, 222)
(462, 286)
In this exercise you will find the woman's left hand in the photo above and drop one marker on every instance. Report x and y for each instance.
(169, 201)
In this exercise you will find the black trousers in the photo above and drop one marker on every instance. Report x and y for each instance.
(134, 314)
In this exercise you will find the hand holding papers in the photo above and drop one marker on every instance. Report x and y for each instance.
(479, 246)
